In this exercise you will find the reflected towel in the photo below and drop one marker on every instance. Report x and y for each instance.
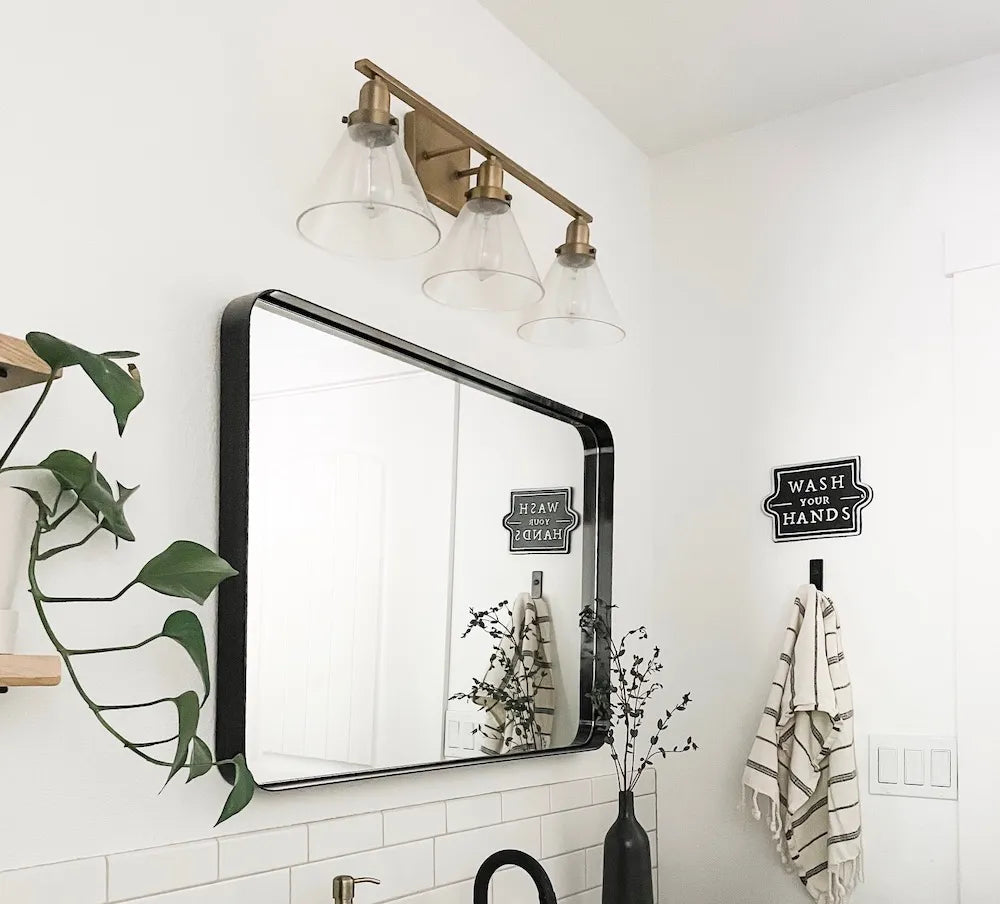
(521, 717)
(802, 758)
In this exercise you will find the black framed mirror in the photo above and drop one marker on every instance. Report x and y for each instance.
(385, 620)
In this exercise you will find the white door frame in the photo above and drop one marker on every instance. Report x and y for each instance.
(972, 259)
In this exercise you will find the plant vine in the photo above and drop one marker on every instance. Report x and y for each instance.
(184, 569)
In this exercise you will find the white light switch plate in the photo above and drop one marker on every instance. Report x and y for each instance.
(907, 766)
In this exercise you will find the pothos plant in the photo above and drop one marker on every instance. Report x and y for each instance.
(79, 492)
(622, 701)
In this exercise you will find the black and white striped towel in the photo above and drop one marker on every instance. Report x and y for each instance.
(802, 759)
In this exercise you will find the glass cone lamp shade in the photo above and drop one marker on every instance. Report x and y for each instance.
(368, 201)
(483, 263)
(577, 311)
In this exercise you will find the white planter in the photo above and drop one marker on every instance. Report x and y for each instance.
(16, 520)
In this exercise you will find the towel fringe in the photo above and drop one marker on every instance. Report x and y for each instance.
(844, 879)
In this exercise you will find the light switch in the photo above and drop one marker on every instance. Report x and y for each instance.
(913, 767)
(888, 766)
(468, 736)
(941, 768)
(453, 732)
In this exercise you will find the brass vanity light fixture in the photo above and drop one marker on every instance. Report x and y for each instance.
(372, 200)
(483, 264)
(368, 201)
(577, 310)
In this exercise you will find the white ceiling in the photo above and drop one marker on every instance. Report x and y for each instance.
(670, 73)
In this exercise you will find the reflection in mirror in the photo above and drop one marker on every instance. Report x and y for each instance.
(388, 621)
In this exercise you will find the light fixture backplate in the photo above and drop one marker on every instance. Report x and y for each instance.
(423, 138)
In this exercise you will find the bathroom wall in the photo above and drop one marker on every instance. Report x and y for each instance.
(156, 158)
(806, 314)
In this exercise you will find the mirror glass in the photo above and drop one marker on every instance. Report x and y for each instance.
(378, 496)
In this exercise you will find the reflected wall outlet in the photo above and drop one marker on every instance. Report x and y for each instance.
(905, 766)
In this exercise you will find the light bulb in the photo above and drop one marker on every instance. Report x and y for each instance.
(375, 184)
(490, 257)
(487, 247)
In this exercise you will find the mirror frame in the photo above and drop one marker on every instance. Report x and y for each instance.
(234, 489)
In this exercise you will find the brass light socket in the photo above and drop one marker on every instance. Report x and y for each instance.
(373, 105)
(577, 242)
(489, 182)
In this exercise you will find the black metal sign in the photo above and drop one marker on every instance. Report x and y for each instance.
(821, 499)
(541, 520)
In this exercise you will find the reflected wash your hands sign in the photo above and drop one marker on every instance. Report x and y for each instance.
(541, 520)
(820, 499)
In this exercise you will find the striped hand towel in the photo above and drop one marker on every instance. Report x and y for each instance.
(802, 759)
(523, 669)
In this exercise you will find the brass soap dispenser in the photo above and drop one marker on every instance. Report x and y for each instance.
(343, 887)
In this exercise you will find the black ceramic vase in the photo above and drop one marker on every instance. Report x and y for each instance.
(628, 870)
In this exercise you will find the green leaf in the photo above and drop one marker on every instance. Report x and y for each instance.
(184, 627)
(243, 788)
(201, 759)
(186, 569)
(44, 512)
(117, 386)
(76, 473)
(188, 711)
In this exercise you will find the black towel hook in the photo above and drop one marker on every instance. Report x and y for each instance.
(816, 573)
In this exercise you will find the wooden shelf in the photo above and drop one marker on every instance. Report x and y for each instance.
(29, 671)
(19, 365)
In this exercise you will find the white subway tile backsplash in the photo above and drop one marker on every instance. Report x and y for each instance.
(414, 823)
(459, 893)
(403, 869)
(345, 835)
(646, 783)
(605, 788)
(149, 872)
(571, 830)
(424, 854)
(266, 888)
(569, 795)
(473, 812)
(595, 865)
(79, 881)
(261, 852)
(652, 847)
(568, 873)
(458, 855)
(590, 896)
(645, 811)
(524, 802)
(656, 887)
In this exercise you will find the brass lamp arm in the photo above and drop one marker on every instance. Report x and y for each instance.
(468, 139)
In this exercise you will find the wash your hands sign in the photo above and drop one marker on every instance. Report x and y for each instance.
(820, 499)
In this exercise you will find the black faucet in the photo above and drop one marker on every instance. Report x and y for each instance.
(480, 891)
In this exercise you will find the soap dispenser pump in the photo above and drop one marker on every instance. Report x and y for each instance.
(343, 887)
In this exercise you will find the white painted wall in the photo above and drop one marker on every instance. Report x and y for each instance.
(805, 314)
(156, 159)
